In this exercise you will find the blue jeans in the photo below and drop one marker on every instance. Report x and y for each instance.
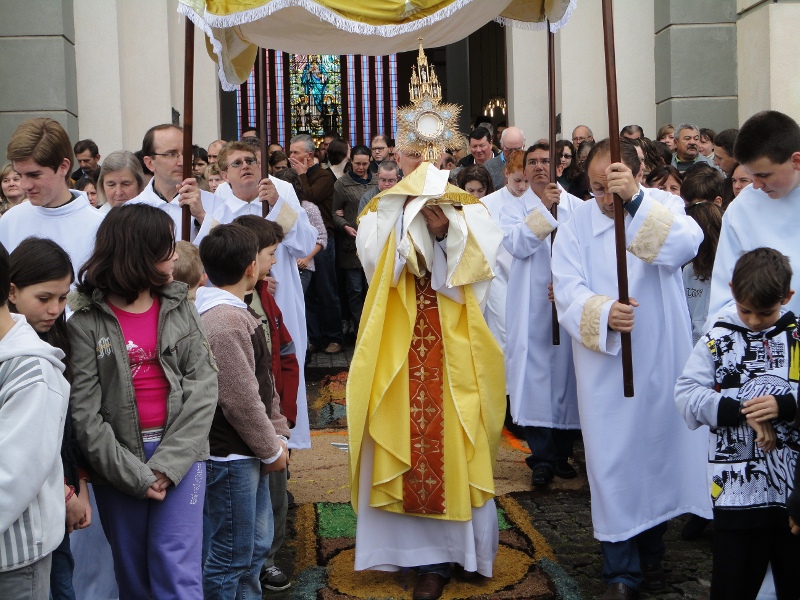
(548, 445)
(237, 528)
(323, 310)
(622, 561)
(61, 572)
(305, 280)
(356, 285)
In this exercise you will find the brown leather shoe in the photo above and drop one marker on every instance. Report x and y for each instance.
(333, 348)
(620, 591)
(429, 586)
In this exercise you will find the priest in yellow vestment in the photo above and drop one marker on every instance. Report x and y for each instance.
(426, 390)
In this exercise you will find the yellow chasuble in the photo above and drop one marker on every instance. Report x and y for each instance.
(472, 374)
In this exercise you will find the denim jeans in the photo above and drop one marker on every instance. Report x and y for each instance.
(61, 572)
(549, 445)
(237, 528)
(305, 280)
(622, 561)
(323, 310)
(356, 285)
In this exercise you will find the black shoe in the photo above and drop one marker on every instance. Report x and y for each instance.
(564, 470)
(694, 527)
(655, 579)
(542, 475)
(273, 579)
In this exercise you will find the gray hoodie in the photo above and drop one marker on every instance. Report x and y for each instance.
(33, 406)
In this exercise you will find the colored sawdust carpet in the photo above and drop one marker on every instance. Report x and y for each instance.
(323, 548)
(320, 548)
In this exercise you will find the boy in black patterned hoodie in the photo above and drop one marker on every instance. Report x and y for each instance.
(742, 381)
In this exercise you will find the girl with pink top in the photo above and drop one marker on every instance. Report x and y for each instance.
(143, 398)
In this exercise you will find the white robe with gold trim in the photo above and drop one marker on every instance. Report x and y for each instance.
(644, 465)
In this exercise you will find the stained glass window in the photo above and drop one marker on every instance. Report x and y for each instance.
(315, 93)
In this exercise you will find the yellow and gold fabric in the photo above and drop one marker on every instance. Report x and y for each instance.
(380, 398)
(236, 28)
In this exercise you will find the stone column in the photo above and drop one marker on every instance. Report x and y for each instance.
(37, 43)
(768, 70)
(695, 63)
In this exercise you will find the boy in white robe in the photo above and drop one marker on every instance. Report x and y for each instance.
(644, 466)
(541, 376)
(764, 214)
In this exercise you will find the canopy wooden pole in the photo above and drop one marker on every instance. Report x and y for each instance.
(619, 215)
(188, 117)
(261, 111)
(551, 89)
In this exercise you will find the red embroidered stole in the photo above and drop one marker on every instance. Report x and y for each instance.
(423, 484)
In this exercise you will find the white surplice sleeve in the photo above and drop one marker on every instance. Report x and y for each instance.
(662, 234)
(524, 232)
(582, 312)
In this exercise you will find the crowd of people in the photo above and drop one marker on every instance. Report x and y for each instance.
(159, 383)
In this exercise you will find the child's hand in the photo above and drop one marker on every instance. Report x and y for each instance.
(763, 408)
(620, 317)
(794, 526)
(86, 520)
(162, 481)
(765, 434)
(75, 512)
(152, 494)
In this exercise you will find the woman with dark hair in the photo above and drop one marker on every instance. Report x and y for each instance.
(143, 397)
(278, 161)
(88, 186)
(337, 157)
(347, 192)
(665, 178)
(475, 180)
(697, 273)
(568, 169)
(41, 275)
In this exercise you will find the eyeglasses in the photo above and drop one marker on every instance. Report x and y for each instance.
(566, 156)
(532, 162)
(578, 140)
(507, 149)
(237, 164)
(171, 154)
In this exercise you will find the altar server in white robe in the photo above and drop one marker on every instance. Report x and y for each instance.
(495, 308)
(162, 149)
(541, 376)
(239, 168)
(765, 213)
(644, 466)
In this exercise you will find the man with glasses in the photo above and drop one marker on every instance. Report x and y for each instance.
(511, 139)
(380, 152)
(388, 176)
(687, 148)
(581, 134)
(162, 148)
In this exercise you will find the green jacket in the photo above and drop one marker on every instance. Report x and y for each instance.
(103, 401)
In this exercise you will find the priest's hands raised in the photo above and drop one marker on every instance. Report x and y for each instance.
(436, 221)
(620, 317)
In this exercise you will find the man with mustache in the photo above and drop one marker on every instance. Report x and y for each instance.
(687, 148)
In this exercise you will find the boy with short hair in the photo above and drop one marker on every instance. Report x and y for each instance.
(702, 184)
(33, 406)
(286, 372)
(41, 153)
(248, 435)
(742, 381)
(763, 214)
(189, 267)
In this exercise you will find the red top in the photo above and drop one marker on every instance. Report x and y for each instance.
(150, 385)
